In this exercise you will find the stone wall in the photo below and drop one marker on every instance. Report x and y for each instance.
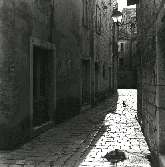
(56, 22)
(51, 22)
(17, 26)
(151, 73)
(161, 77)
(147, 72)
(103, 51)
(68, 38)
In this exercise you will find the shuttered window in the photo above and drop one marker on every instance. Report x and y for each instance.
(98, 19)
(132, 2)
(86, 13)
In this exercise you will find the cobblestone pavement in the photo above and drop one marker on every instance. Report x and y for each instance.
(122, 132)
(85, 139)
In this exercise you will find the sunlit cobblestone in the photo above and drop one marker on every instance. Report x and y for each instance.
(85, 139)
(122, 132)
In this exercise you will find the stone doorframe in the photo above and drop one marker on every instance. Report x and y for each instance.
(90, 62)
(35, 42)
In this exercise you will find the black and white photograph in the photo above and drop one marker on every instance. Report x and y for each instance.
(82, 83)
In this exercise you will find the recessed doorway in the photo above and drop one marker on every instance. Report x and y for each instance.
(86, 82)
(41, 91)
(43, 87)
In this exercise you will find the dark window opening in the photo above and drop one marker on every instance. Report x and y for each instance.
(98, 20)
(85, 82)
(121, 62)
(122, 47)
(104, 72)
(132, 2)
(86, 13)
(96, 77)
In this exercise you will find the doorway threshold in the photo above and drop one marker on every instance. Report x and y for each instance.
(42, 128)
(85, 107)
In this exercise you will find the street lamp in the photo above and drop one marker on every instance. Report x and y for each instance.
(117, 16)
(117, 19)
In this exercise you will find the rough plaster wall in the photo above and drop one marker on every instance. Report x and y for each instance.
(20, 20)
(16, 16)
(103, 43)
(68, 43)
(86, 32)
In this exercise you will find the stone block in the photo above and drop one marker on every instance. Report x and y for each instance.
(162, 96)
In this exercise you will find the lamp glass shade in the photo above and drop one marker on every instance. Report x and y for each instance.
(114, 19)
(117, 16)
(119, 19)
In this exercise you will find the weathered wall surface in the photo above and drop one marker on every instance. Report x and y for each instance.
(103, 52)
(147, 72)
(69, 46)
(59, 22)
(16, 16)
(161, 77)
(151, 72)
(21, 20)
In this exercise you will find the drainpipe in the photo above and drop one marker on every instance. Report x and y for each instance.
(92, 58)
(51, 40)
(51, 22)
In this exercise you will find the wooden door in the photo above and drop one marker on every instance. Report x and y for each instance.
(41, 81)
(85, 82)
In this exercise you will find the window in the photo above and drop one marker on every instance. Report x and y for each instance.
(121, 62)
(86, 14)
(104, 71)
(132, 2)
(115, 5)
(98, 19)
(122, 47)
(105, 74)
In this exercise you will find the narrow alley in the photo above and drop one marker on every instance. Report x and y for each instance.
(122, 132)
(87, 138)
(82, 83)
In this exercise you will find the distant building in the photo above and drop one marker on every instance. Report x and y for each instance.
(127, 49)
(129, 16)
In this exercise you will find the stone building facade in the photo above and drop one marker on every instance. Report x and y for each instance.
(151, 74)
(104, 55)
(127, 74)
(50, 52)
(129, 16)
